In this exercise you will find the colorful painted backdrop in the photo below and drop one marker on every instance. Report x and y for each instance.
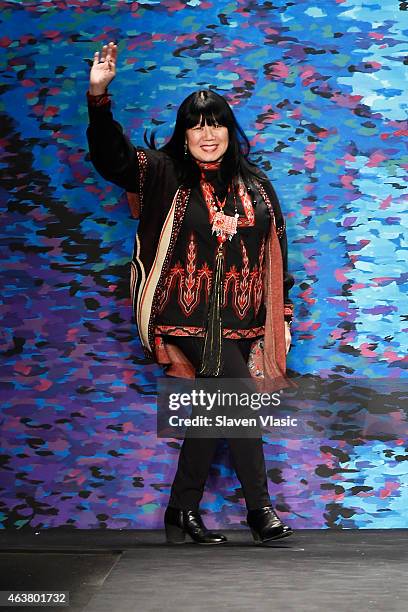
(319, 89)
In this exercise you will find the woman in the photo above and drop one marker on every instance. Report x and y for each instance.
(210, 248)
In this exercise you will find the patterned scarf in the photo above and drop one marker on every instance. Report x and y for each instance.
(211, 363)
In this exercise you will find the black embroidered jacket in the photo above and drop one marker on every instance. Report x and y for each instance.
(174, 249)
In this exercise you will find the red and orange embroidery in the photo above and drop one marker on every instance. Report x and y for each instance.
(244, 286)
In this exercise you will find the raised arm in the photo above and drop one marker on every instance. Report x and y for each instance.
(112, 154)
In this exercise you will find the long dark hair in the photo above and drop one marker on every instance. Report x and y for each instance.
(209, 107)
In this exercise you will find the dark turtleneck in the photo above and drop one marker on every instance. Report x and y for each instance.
(212, 174)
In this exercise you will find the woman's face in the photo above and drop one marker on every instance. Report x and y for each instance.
(207, 143)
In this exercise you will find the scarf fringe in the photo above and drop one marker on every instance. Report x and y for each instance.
(211, 357)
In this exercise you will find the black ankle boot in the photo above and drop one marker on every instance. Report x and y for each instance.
(265, 525)
(179, 522)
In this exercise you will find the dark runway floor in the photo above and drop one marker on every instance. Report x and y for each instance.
(136, 571)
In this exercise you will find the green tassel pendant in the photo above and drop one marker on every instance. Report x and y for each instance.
(211, 357)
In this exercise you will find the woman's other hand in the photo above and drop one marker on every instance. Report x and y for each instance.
(103, 69)
(288, 336)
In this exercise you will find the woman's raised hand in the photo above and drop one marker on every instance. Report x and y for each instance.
(103, 69)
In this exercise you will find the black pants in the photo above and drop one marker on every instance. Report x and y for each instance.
(196, 454)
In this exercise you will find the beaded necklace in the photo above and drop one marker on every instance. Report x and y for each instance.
(225, 227)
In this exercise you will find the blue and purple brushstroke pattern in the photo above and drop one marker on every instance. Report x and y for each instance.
(319, 89)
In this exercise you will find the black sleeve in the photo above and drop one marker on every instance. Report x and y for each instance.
(111, 152)
(288, 279)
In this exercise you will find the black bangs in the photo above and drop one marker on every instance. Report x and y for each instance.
(206, 107)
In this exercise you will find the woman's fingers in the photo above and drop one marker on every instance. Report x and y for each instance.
(107, 54)
(288, 337)
(111, 52)
(104, 65)
(103, 53)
